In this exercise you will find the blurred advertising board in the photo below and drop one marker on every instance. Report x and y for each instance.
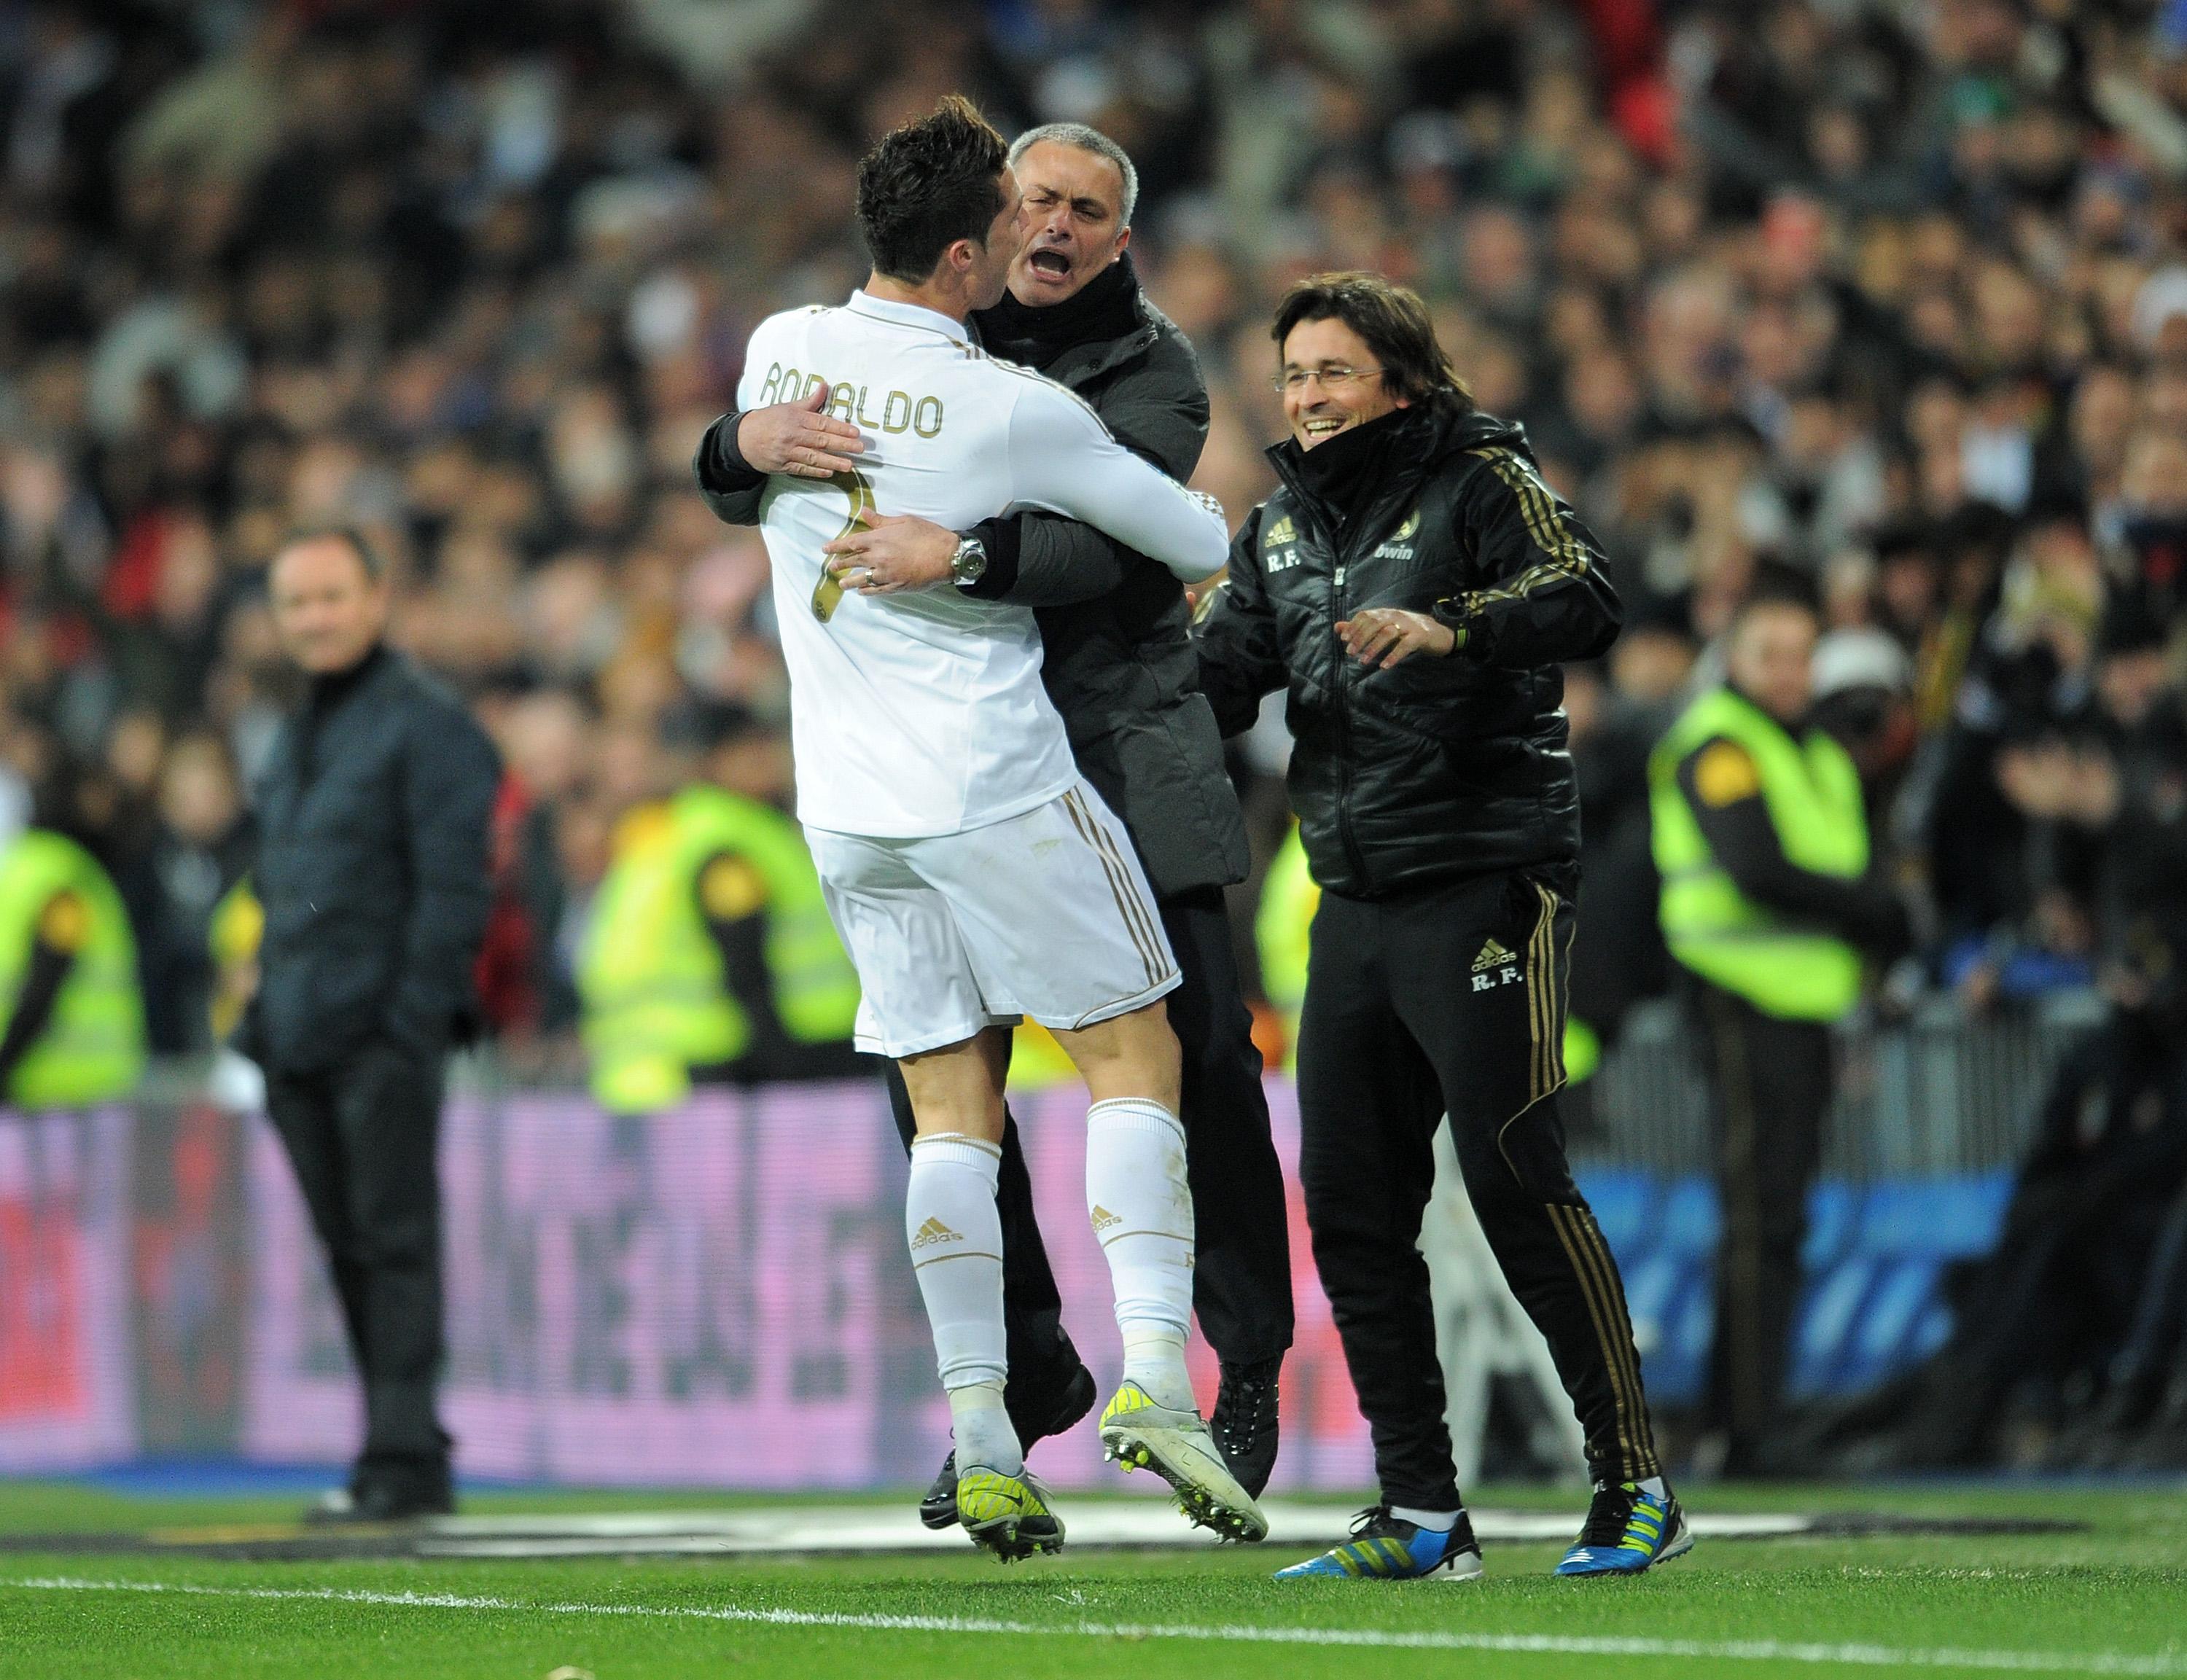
(717, 1296)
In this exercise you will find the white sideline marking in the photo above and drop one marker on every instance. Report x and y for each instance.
(835, 1529)
(1554, 1645)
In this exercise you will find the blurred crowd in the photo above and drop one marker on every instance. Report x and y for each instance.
(1890, 294)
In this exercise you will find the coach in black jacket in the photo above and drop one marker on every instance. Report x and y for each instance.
(1413, 584)
(1119, 668)
(372, 868)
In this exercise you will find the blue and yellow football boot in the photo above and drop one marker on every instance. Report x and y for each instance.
(1177, 1446)
(1627, 1530)
(1007, 1515)
(1386, 1547)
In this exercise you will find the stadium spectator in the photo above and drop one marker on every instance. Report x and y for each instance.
(199, 851)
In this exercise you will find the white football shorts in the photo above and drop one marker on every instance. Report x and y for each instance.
(1047, 915)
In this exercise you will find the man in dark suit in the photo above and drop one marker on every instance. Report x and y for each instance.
(372, 867)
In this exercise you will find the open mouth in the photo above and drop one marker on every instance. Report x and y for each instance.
(1051, 262)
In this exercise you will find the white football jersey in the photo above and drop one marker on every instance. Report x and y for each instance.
(923, 713)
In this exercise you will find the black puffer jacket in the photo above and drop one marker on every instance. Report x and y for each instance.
(372, 815)
(1441, 769)
(1118, 660)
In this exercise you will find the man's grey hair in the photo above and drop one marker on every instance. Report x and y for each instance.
(1086, 140)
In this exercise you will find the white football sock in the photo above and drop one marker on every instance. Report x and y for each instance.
(982, 1429)
(1141, 1208)
(1655, 1488)
(1440, 1522)
(956, 1238)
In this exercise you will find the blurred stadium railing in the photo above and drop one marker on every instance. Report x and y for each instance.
(716, 1295)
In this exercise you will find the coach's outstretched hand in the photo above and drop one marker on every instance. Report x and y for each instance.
(801, 439)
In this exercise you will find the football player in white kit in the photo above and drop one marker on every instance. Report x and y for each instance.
(974, 877)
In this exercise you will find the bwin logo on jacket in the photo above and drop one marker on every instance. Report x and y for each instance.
(1399, 546)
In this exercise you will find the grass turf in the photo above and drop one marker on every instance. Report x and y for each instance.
(2110, 1599)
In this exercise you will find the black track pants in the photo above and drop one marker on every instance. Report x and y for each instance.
(1453, 1002)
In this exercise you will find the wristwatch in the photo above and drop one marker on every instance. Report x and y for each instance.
(969, 565)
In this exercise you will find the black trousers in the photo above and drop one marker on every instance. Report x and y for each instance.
(362, 1136)
(1770, 1085)
(1241, 1282)
(1452, 1001)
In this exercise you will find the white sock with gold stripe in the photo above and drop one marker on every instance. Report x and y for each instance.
(955, 1233)
(1141, 1207)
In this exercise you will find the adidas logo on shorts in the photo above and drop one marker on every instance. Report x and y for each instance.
(1491, 954)
(934, 1231)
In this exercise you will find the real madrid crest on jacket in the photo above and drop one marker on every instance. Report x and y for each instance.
(1451, 516)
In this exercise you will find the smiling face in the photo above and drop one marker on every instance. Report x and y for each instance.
(1073, 201)
(1331, 381)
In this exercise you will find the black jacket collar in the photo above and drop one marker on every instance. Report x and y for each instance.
(330, 690)
(1105, 313)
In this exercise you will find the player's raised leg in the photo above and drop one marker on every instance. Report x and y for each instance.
(956, 1237)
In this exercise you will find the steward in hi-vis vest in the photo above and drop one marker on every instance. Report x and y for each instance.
(73, 1013)
(1769, 902)
(710, 956)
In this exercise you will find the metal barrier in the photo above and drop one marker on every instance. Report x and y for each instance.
(1933, 1095)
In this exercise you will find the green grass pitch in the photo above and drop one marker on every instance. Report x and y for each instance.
(2110, 1598)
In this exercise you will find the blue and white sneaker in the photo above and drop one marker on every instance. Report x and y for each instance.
(1627, 1529)
(1386, 1547)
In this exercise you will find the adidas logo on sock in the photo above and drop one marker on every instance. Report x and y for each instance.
(934, 1231)
(1103, 1219)
(1491, 954)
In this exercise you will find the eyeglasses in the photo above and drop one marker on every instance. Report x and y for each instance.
(1336, 375)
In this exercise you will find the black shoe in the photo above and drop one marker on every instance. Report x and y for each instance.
(937, 1506)
(1246, 1423)
(387, 1498)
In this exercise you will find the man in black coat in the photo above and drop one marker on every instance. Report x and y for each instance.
(1119, 668)
(372, 867)
(1414, 587)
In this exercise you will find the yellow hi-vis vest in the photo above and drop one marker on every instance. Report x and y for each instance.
(1812, 795)
(1282, 925)
(92, 1048)
(655, 1003)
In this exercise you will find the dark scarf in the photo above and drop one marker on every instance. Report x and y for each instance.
(1345, 470)
(1106, 308)
(325, 694)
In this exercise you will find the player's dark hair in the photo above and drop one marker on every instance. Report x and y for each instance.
(928, 184)
(1393, 320)
(375, 568)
